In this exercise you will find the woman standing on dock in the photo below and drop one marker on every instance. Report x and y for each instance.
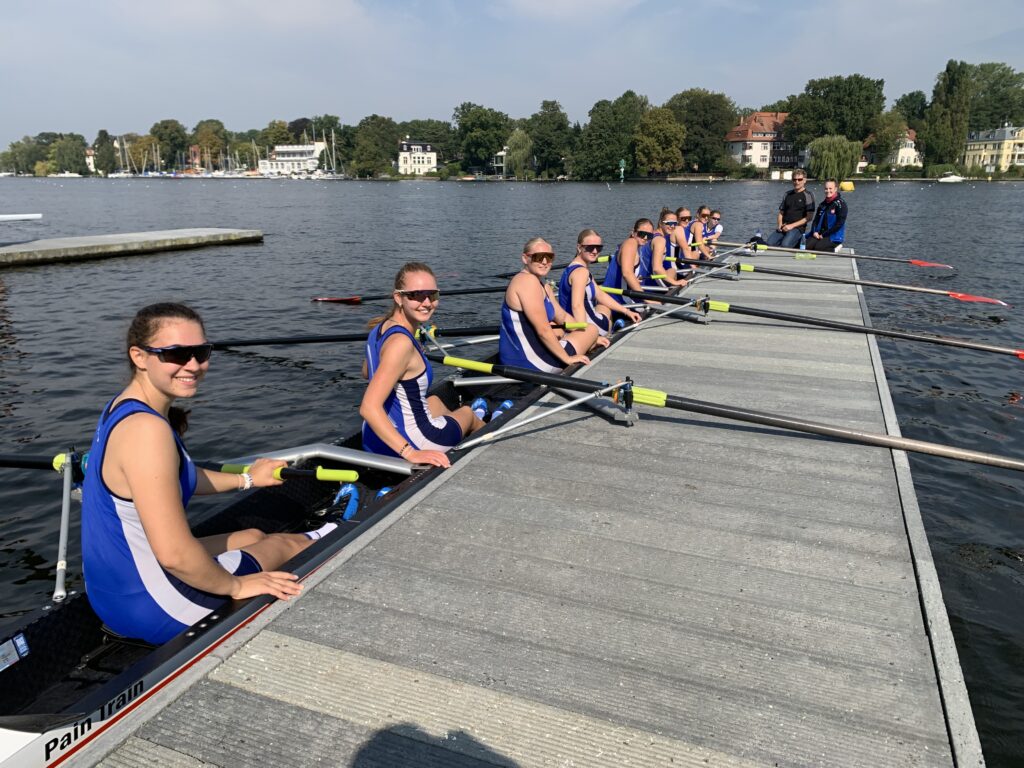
(147, 576)
(527, 336)
(577, 291)
(399, 418)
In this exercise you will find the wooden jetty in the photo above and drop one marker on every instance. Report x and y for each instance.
(687, 591)
(126, 244)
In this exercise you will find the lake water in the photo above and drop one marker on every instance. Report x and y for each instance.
(62, 327)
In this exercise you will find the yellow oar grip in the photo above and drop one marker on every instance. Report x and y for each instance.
(234, 469)
(649, 397)
(609, 289)
(658, 277)
(746, 267)
(574, 326)
(805, 256)
(760, 247)
(58, 461)
(718, 306)
(604, 258)
(328, 475)
(469, 365)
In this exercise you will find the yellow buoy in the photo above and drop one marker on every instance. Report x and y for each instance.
(846, 186)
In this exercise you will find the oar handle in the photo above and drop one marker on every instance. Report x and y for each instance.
(286, 473)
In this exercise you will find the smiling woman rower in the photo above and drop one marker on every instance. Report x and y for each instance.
(577, 292)
(527, 336)
(400, 419)
(632, 260)
(663, 251)
(147, 576)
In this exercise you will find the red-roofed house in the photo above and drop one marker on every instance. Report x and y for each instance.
(758, 141)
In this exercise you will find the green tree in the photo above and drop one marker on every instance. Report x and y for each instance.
(105, 158)
(300, 130)
(997, 97)
(658, 142)
(172, 139)
(67, 154)
(211, 138)
(520, 151)
(782, 105)
(23, 155)
(608, 138)
(843, 105)
(438, 133)
(887, 130)
(707, 117)
(912, 106)
(275, 133)
(376, 145)
(945, 130)
(142, 152)
(834, 156)
(552, 137)
(482, 132)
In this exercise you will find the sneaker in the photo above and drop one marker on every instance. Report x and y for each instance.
(504, 406)
(480, 408)
(619, 324)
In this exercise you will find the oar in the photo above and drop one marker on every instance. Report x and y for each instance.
(660, 399)
(600, 259)
(707, 304)
(480, 330)
(741, 267)
(813, 254)
(287, 473)
(380, 296)
(15, 461)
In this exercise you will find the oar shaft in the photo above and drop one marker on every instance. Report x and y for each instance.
(915, 262)
(839, 326)
(661, 399)
(14, 461)
(359, 336)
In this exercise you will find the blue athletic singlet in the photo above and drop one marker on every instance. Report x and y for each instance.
(589, 298)
(127, 587)
(670, 255)
(519, 344)
(613, 276)
(406, 406)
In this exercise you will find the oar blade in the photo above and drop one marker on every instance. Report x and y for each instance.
(339, 299)
(920, 263)
(972, 297)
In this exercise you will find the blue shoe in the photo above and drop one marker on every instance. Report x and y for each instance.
(480, 408)
(504, 406)
(618, 325)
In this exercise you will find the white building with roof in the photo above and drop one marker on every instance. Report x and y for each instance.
(416, 158)
(286, 159)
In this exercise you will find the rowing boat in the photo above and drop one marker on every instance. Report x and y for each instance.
(64, 679)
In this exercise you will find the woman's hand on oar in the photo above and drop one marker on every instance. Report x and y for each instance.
(812, 254)
(741, 267)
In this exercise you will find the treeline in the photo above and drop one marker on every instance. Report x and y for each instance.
(835, 116)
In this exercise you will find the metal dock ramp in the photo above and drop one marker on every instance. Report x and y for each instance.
(685, 592)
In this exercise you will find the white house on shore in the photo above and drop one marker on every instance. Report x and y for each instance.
(758, 141)
(286, 159)
(906, 153)
(416, 158)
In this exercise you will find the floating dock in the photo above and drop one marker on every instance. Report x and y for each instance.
(127, 244)
(688, 591)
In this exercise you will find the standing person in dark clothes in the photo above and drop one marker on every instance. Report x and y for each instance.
(829, 228)
(794, 213)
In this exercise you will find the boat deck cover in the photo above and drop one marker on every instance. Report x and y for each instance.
(688, 591)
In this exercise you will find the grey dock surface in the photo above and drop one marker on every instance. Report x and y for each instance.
(125, 244)
(688, 591)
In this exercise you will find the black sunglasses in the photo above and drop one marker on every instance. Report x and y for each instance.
(180, 354)
(422, 295)
(593, 248)
(644, 235)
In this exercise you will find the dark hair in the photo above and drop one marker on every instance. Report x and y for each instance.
(408, 267)
(144, 327)
(833, 179)
(665, 212)
(637, 224)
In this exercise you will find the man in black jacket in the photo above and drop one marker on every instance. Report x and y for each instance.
(796, 210)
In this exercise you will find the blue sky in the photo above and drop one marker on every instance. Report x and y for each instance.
(122, 65)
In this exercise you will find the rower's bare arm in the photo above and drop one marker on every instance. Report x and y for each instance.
(578, 281)
(154, 486)
(262, 472)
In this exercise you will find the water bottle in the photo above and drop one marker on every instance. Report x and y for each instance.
(803, 242)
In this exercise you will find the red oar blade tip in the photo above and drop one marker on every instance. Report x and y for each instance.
(981, 299)
(919, 263)
(339, 299)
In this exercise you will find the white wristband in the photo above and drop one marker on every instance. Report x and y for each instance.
(246, 481)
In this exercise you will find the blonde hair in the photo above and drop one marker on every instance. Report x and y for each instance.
(585, 234)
